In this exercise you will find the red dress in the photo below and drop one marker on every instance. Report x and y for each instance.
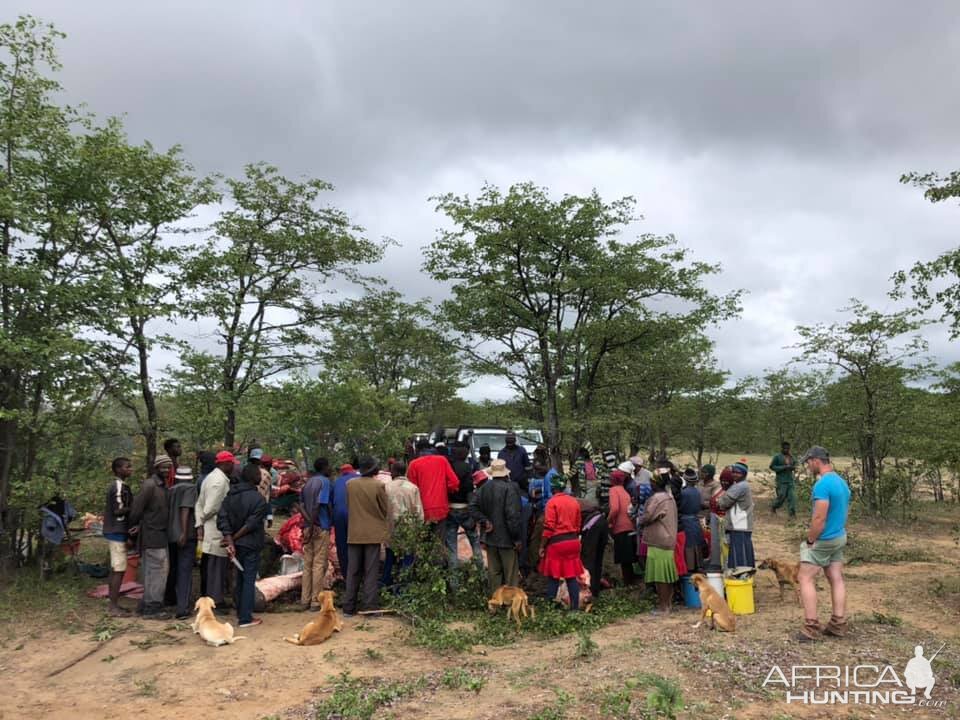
(562, 557)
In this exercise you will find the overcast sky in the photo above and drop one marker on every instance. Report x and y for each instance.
(768, 137)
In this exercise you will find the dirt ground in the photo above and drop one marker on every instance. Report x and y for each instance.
(162, 671)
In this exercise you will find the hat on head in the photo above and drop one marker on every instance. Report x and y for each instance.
(256, 454)
(740, 467)
(225, 456)
(162, 460)
(628, 467)
(480, 477)
(618, 477)
(690, 475)
(368, 465)
(637, 460)
(815, 453)
(346, 468)
(266, 460)
(499, 469)
(440, 444)
(709, 470)
(184, 474)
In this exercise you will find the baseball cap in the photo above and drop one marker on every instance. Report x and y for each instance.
(224, 456)
(256, 454)
(815, 453)
(628, 467)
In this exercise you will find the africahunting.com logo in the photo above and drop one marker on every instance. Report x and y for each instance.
(859, 684)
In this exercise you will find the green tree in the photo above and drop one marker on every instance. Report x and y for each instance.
(51, 374)
(135, 195)
(545, 294)
(876, 354)
(934, 284)
(260, 278)
(396, 348)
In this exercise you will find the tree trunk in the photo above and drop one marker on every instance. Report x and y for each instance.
(230, 427)
(152, 428)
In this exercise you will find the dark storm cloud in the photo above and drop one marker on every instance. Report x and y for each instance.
(767, 136)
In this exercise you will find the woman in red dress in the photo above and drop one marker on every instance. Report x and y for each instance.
(560, 548)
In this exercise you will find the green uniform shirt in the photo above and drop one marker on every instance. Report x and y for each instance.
(781, 468)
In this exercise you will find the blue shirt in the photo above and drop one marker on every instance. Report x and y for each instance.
(517, 461)
(315, 499)
(340, 498)
(833, 488)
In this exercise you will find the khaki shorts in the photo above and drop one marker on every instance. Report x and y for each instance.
(823, 552)
(118, 555)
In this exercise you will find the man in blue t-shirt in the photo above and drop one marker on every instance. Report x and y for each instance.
(316, 503)
(823, 546)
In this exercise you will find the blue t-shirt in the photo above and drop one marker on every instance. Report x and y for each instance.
(833, 488)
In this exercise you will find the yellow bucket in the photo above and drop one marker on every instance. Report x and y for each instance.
(739, 595)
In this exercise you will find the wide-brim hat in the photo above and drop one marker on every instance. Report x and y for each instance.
(498, 469)
(368, 465)
(184, 474)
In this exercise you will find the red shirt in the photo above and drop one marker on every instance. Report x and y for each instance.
(561, 516)
(434, 477)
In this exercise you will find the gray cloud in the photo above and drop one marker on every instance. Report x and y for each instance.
(767, 136)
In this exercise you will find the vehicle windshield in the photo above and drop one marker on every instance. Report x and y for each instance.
(497, 441)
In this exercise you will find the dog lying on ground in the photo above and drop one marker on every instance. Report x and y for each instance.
(207, 626)
(711, 602)
(514, 599)
(787, 574)
(326, 624)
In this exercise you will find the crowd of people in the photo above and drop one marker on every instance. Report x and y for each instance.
(519, 516)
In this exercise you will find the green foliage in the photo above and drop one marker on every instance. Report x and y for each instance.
(879, 618)
(871, 398)
(261, 274)
(557, 710)
(586, 645)
(461, 678)
(664, 696)
(358, 699)
(550, 295)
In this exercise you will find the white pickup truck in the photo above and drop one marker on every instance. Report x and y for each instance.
(496, 438)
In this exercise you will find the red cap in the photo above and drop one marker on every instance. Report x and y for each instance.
(346, 468)
(266, 460)
(479, 478)
(225, 456)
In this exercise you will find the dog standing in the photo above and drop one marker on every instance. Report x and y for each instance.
(787, 574)
(209, 628)
(720, 614)
(326, 624)
(516, 601)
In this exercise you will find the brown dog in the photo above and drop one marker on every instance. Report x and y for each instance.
(711, 602)
(320, 630)
(787, 574)
(516, 601)
(209, 628)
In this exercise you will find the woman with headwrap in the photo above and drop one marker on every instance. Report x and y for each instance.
(621, 526)
(689, 511)
(660, 537)
(717, 519)
(560, 549)
(737, 500)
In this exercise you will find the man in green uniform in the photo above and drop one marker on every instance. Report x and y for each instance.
(783, 465)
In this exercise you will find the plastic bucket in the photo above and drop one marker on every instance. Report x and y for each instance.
(691, 598)
(716, 582)
(740, 596)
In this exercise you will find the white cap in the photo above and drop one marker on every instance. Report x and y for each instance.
(627, 467)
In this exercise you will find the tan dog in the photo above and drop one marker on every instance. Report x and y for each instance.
(516, 601)
(712, 603)
(326, 624)
(209, 628)
(787, 574)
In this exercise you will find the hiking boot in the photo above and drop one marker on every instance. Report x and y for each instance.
(837, 627)
(810, 632)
